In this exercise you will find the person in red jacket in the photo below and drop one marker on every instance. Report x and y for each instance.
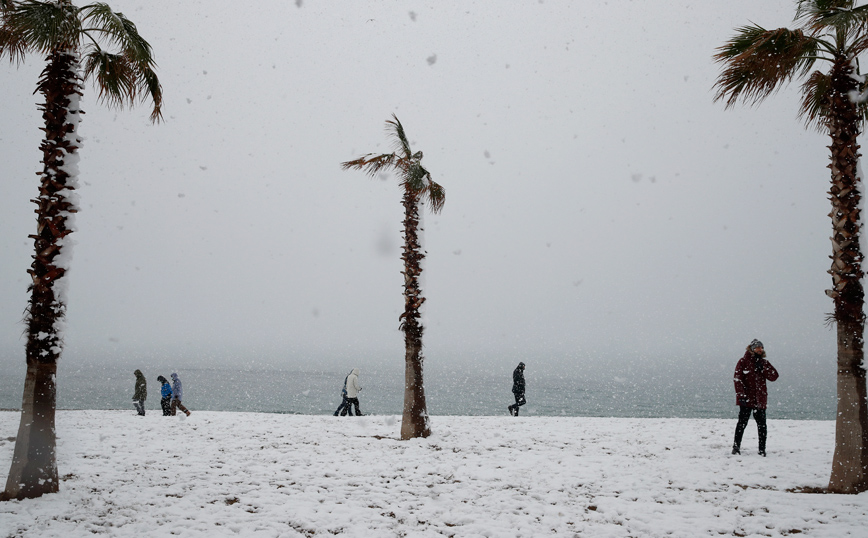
(751, 394)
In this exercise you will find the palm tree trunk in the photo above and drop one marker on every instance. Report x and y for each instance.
(851, 428)
(34, 464)
(415, 420)
(850, 460)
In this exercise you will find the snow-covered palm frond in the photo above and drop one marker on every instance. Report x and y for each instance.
(839, 18)
(759, 61)
(808, 9)
(824, 12)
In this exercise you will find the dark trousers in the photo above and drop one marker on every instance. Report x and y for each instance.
(343, 406)
(176, 404)
(140, 407)
(743, 416)
(351, 402)
(166, 404)
(519, 401)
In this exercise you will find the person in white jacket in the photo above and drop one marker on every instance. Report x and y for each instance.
(353, 389)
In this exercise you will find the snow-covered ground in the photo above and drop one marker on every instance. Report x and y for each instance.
(245, 474)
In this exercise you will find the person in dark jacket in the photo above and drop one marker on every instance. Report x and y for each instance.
(344, 402)
(165, 396)
(177, 395)
(140, 394)
(517, 389)
(751, 393)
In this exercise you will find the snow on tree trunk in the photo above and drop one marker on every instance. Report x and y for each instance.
(850, 460)
(34, 463)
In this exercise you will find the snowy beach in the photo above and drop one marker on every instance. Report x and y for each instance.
(248, 474)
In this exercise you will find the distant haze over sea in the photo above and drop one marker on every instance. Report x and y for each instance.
(596, 388)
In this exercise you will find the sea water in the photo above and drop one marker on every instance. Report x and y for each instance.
(449, 391)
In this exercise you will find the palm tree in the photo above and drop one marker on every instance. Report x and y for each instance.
(756, 62)
(90, 42)
(418, 189)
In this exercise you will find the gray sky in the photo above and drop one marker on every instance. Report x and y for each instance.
(600, 206)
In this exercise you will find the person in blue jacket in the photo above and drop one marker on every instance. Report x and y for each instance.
(165, 396)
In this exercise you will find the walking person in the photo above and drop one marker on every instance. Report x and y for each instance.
(517, 389)
(343, 405)
(177, 396)
(165, 396)
(140, 394)
(353, 389)
(751, 393)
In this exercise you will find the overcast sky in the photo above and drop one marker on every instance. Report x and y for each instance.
(600, 207)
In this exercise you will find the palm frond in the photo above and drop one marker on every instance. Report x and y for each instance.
(149, 84)
(824, 13)
(12, 44)
(815, 100)
(371, 164)
(121, 82)
(759, 61)
(435, 195)
(809, 8)
(43, 26)
(857, 45)
(124, 76)
(5, 4)
(116, 30)
(396, 130)
(115, 77)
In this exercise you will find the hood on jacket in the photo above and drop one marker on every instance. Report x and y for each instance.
(355, 371)
(139, 373)
(175, 376)
(753, 346)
